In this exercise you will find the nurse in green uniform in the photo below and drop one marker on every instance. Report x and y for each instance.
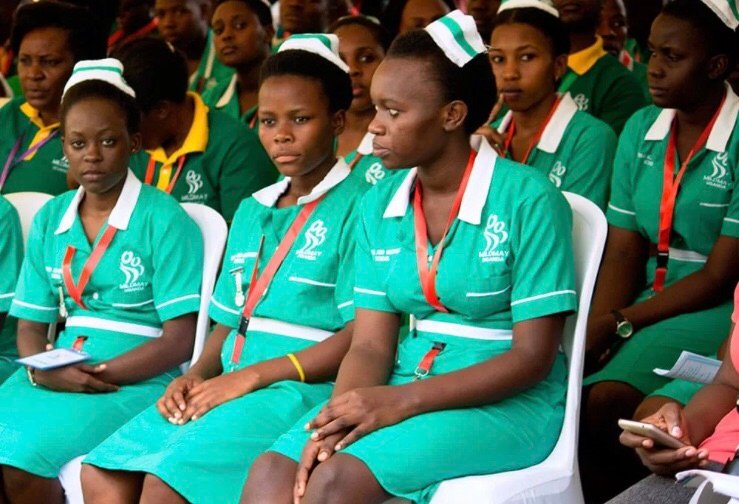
(48, 39)
(242, 33)
(11, 255)
(598, 83)
(671, 259)
(573, 149)
(184, 24)
(109, 258)
(196, 154)
(197, 444)
(479, 384)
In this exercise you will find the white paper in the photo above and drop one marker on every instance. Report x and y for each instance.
(692, 367)
(53, 358)
(723, 484)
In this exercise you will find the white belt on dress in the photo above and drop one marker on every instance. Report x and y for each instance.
(110, 325)
(280, 328)
(686, 255)
(463, 331)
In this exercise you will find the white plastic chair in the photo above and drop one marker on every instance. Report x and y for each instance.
(214, 231)
(27, 204)
(557, 478)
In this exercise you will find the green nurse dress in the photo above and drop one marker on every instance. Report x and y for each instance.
(575, 151)
(490, 278)
(707, 207)
(145, 278)
(11, 256)
(308, 300)
(44, 170)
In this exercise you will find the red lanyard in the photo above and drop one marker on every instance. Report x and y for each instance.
(424, 367)
(76, 290)
(150, 173)
(670, 188)
(117, 37)
(13, 160)
(426, 274)
(257, 286)
(536, 137)
(79, 342)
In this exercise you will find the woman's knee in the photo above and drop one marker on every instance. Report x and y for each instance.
(270, 479)
(344, 478)
(94, 482)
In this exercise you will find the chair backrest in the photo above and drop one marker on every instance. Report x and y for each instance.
(589, 231)
(27, 204)
(214, 230)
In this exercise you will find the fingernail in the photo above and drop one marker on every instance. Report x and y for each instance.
(322, 456)
(177, 415)
(172, 420)
(307, 426)
(182, 406)
(676, 431)
(690, 452)
(314, 436)
(337, 447)
(702, 454)
(194, 417)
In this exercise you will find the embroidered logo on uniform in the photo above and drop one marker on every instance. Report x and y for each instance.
(646, 158)
(133, 269)
(719, 177)
(383, 255)
(557, 173)
(582, 102)
(194, 182)
(495, 235)
(241, 257)
(55, 273)
(60, 165)
(374, 174)
(314, 237)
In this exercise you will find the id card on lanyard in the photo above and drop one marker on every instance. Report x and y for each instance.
(670, 189)
(13, 158)
(259, 283)
(149, 177)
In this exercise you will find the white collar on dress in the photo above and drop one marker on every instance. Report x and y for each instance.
(720, 133)
(365, 146)
(121, 214)
(555, 129)
(475, 195)
(270, 194)
(228, 94)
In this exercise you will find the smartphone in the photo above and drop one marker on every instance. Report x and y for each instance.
(652, 432)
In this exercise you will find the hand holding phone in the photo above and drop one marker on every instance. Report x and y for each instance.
(652, 432)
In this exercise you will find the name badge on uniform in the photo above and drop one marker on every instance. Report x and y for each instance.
(239, 297)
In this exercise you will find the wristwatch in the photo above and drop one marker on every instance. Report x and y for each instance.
(624, 328)
(31, 372)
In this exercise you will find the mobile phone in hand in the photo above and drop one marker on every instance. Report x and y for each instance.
(652, 432)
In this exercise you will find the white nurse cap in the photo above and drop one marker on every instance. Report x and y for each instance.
(545, 5)
(325, 45)
(726, 10)
(108, 70)
(456, 34)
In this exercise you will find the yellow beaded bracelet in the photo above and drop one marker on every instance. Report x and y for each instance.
(297, 365)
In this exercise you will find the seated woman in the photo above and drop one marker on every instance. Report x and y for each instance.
(529, 49)
(49, 38)
(11, 256)
(242, 34)
(273, 353)
(109, 258)
(362, 45)
(479, 384)
(195, 154)
(671, 261)
(708, 425)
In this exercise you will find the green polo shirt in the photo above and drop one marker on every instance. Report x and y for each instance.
(708, 202)
(43, 171)
(489, 275)
(575, 151)
(224, 163)
(149, 274)
(211, 71)
(601, 86)
(313, 286)
(11, 256)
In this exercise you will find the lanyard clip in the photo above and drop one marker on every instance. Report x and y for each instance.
(243, 326)
(239, 297)
(424, 367)
(662, 258)
(62, 307)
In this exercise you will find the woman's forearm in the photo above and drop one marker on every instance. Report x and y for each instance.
(31, 337)
(209, 363)
(706, 409)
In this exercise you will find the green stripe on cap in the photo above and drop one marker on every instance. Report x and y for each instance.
(103, 68)
(316, 36)
(458, 35)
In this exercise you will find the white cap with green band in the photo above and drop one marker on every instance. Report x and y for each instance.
(545, 5)
(456, 34)
(726, 10)
(108, 70)
(325, 45)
